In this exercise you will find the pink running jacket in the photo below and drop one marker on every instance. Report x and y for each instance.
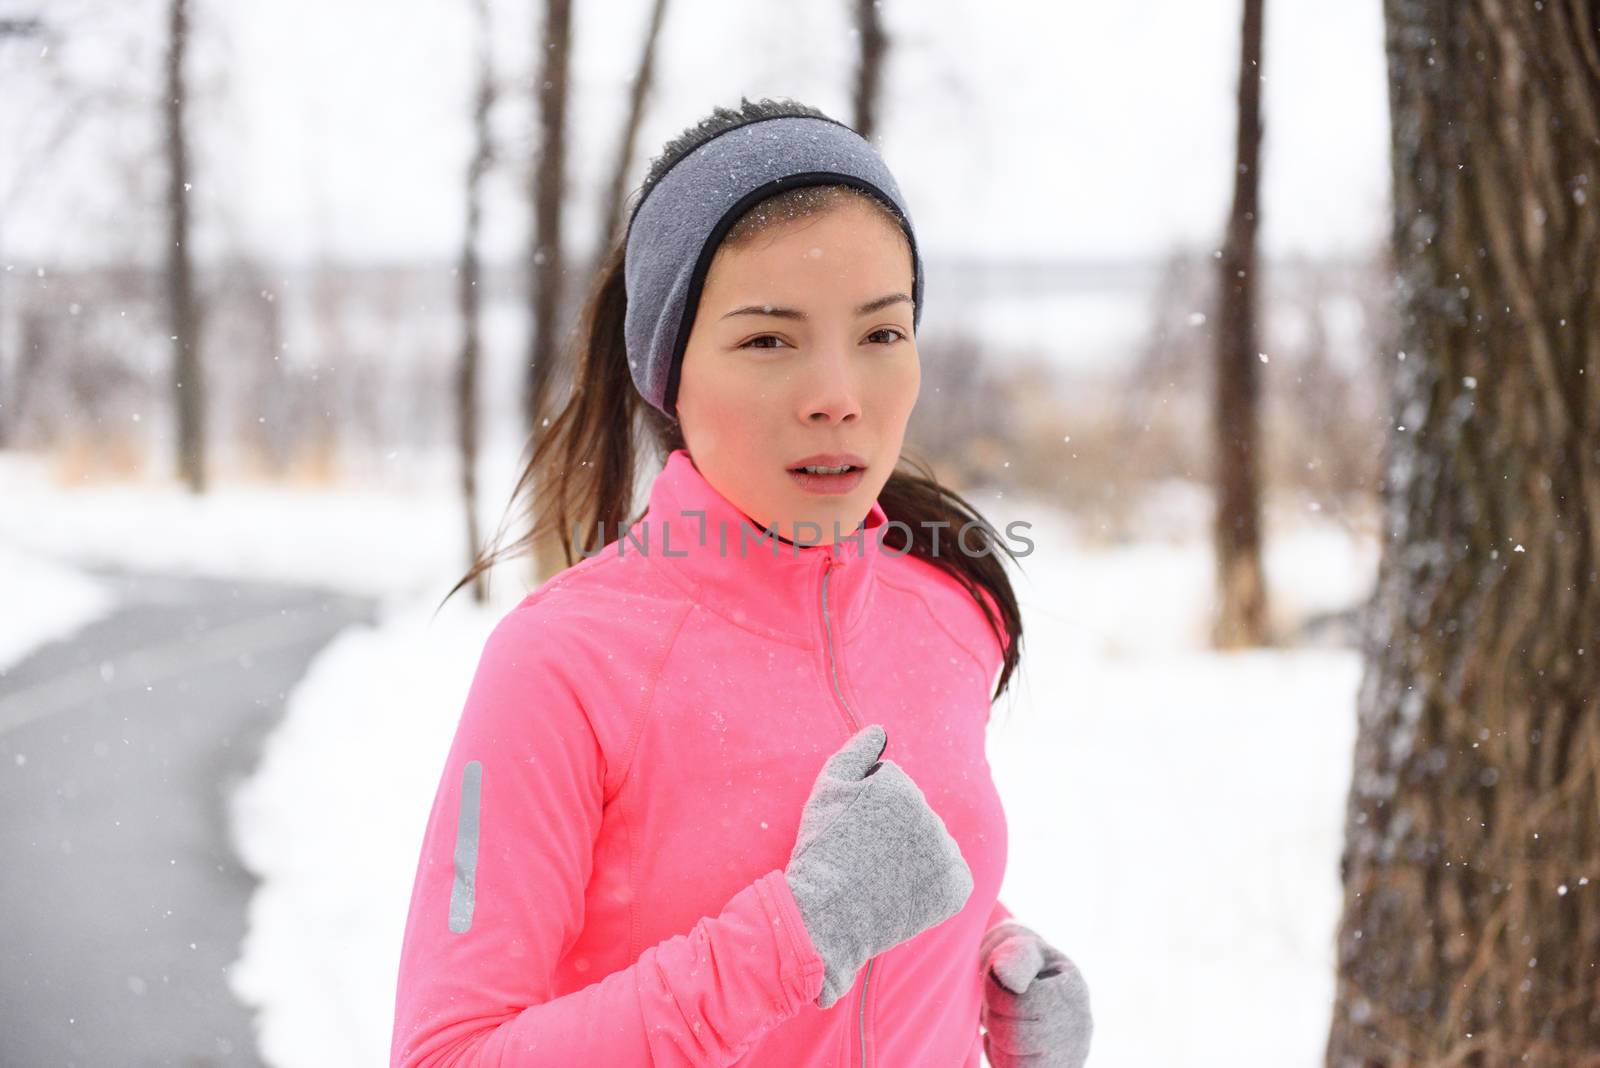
(601, 876)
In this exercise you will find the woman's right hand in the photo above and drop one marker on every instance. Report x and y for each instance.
(872, 864)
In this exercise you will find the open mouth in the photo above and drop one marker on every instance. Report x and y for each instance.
(821, 469)
(827, 478)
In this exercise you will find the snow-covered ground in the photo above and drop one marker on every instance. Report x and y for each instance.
(1175, 814)
(60, 600)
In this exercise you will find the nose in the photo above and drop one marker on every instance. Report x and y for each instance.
(832, 391)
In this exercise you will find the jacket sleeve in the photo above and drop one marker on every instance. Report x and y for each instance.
(498, 899)
(999, 914)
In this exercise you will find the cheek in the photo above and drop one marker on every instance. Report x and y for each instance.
(729, 406)
(897, 385)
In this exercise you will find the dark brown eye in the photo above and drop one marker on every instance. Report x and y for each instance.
(764, 337)
(894, 335)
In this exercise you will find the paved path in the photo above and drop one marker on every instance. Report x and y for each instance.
(122, 906)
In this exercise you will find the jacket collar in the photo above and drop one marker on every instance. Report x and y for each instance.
(772, 586)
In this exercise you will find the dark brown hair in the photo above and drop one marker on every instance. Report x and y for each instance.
(583, 467)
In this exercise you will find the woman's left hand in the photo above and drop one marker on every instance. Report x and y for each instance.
(1035, 1011)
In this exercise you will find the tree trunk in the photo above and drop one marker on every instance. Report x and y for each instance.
(12, 392)
(869, 68)
(188, 382)
(1241, 589)
(469, 297)
(546, 261)
(547, 266)
(1471, 863)
(611, 212)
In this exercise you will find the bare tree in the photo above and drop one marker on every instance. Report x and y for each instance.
(12, 27)
(183, 310)
(547, 267)
(869, 66)
(547, 262)
(548, 557)
(468, 293)
(1471, 863)
(622, 167)
(1241, 618)
(76, 110)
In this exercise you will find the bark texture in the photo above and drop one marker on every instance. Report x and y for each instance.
(1471, 865)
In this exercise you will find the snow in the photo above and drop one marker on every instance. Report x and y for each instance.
(1175, 814)
(362, 540)
(61, 600)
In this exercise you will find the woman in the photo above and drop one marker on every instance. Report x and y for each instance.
(649, 845)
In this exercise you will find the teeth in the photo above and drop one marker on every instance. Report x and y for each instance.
(826, 470)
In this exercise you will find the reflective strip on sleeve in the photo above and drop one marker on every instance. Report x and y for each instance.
(461, 893)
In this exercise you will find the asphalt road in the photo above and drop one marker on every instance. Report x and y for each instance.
(122, 906)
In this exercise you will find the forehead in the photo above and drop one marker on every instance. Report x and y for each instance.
(849, 244)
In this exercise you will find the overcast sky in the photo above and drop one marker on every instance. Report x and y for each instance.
(1061, 129)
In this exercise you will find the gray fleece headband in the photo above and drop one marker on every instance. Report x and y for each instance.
(675, 231)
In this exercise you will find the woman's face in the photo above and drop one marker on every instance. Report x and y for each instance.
(802, 344)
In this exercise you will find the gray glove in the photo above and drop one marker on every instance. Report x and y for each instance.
(872, 864)
(1035, 1011)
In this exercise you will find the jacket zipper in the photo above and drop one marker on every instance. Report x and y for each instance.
(863, 1014)
(830, 562)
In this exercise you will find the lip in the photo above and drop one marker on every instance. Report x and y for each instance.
(829, 459)
(828, 485)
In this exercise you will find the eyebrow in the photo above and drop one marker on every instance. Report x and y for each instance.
(794, 313)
